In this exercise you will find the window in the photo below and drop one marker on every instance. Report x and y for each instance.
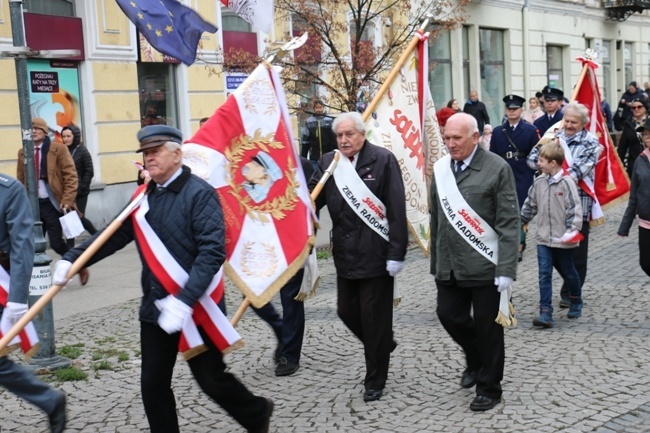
(440, 69)
(606, 64)
(628, 51)
(493, 81)
(63, 8)
(239, 42)
(366, 56)
(157, 94)
(466, 76)
(554, 66)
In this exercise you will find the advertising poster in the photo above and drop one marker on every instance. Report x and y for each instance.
(54, 93)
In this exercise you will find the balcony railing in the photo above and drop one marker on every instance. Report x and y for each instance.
(620, 10)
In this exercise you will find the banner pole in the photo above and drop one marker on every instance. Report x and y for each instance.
(319, 187)
(395, 71)
(74, 269)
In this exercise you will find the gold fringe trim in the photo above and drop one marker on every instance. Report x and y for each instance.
(625, 197)
(303, 296)
(513, 317)
(503, 320)
(191, 353)
(8, 349)
(236, 345)
(265, 297)
(31, 352)
(597, 222)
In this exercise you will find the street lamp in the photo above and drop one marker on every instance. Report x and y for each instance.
(44, 322)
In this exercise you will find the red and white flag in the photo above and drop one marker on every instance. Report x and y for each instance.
(245, 151)
(27, 338)
(259, 13)
(405, 123)
(611, 184)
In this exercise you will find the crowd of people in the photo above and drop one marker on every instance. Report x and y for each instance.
(499, 177)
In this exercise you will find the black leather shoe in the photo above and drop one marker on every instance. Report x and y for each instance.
(286, 367)
(372, 394)
(482, 403)
(468, 379)
(58, 417)
(269, 411)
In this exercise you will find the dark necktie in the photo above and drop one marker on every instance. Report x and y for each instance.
(459, 168)
(37, 162)
(351, 158)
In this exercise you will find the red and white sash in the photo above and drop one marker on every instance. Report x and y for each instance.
(27, 339)
(586, 184)
(361, 200)
(173, 278)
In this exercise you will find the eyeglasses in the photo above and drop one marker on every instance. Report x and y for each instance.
(637, 107)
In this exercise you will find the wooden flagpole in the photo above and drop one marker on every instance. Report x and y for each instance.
(395, 71)
(74, 269)
(319, 187)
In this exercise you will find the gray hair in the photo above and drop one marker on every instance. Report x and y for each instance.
(578, 109)
(172, 146)
(357, 118)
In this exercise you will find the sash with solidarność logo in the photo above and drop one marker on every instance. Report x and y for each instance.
(469, 225)
(27, 339)
(360, 199)
(173, 278)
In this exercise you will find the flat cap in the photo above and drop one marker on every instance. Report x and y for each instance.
(514, 101)
(157, 135)
(552, 94)
(41, 124)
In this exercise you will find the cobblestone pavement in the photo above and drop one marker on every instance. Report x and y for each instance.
(589, 374)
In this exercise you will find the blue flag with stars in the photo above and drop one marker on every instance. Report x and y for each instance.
(170, 27)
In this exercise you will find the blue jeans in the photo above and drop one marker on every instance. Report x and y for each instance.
(563, 258)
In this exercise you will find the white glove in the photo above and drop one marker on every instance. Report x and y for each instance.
(394, 267)
(60, 272)
(503, 283)
(173, 313)
(13, 312)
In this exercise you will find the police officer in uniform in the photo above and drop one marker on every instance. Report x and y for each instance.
(513, 141)
(17, 259)
(552, 102)
(317, 136)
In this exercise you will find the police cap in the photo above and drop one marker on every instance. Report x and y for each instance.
(552, 94)
(157, 135)
(514, 101)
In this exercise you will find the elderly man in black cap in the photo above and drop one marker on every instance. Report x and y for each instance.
(185, 220)
(552, 102)
(513, 141)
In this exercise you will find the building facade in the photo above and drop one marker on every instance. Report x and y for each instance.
(521, 46)
(119, 84)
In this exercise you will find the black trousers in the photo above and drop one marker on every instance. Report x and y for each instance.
(159, 352)
(81, 201)
(366, 308)
(580, 256)
(290, 327)
(480, 337)
(644, 250)
(52, 226)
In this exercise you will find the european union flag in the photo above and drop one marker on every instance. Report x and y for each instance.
(170, 27)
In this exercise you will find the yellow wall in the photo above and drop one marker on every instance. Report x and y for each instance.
(113, 27)
(5, 25)
(117, 114)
